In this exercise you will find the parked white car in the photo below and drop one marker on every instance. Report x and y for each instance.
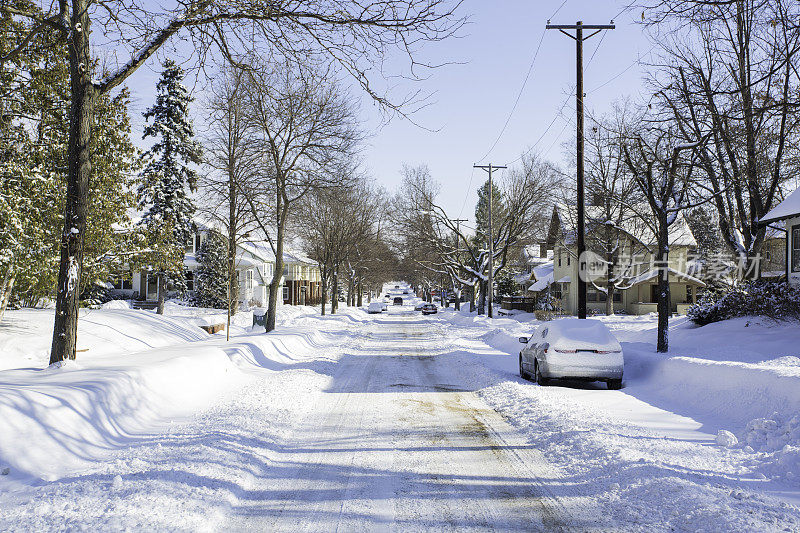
(571, 348)
(376, 307)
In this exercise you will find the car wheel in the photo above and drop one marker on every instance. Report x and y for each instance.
(522, 373)
(614, 384)
(541, 380)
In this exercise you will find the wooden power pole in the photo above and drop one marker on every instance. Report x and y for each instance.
(490, 288)
(579, 38)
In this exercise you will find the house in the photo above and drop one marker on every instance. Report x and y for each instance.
(255, 267)
(788, 212)
(536, 270)
(637, 292)
(302, 280)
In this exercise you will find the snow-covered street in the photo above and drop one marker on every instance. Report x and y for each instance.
(364, 422)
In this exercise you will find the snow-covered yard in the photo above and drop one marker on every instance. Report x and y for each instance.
(363, 421)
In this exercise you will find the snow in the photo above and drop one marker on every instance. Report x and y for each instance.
(650, 274)
(573, 333)
(790, 207)
(365, 422)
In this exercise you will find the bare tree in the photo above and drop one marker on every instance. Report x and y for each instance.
(231, 161)
(663, 170)
(730, 68)
(354, 34)
(450, 250)
(305, 128)
(338, 227)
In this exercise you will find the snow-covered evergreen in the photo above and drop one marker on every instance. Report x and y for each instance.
(167, 177)
(211, 283)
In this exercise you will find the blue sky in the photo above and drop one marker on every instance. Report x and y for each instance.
(471, 100)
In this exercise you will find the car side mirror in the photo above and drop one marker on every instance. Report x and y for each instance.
(523, 340)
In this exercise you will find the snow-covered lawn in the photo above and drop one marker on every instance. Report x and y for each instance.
(161, 426)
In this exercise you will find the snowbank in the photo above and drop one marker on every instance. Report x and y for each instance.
(26, 334)
(113, 395)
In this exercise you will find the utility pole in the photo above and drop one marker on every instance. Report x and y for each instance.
(490, 283)
(579, 38)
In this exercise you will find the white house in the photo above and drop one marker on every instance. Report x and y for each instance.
(788, 212)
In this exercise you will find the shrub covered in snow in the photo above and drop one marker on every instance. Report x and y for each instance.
(760, 298)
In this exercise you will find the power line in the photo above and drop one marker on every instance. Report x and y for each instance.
(521, 89)
(579, 37)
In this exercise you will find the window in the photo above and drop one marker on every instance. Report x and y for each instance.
(286, 294)
(689, 293)
(617, 296)
(559, 258)
(197, 241)
(591, 295)
(796, 248)
(249, 282)
(189, 280)
(568, 260)
(122, 283)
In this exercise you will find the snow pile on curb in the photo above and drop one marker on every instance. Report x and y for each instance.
(776, 440)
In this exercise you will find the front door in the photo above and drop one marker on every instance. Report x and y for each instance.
(152, 287)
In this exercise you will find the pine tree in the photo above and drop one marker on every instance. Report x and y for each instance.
(211, 278)
(166, 176)
(482, 210)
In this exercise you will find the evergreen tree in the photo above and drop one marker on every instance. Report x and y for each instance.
(166, 176)
(34, 103)
(482, 210)
(211, 278)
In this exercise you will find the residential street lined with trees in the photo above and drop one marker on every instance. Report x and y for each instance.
(219, 310)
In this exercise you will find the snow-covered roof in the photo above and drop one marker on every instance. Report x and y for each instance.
(679, 232)
(789, 207)
(565, 279)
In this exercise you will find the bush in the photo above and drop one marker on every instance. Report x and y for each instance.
(776, 300)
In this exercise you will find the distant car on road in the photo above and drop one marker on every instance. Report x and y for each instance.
(429, 309)
(572, 348)
(398, 300)
(376, 307)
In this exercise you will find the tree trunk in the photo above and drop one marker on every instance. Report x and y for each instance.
(275, 285)
(162, 289)
(324, 288)
(663, 299)
(360, 294)
(232, 290)
(482, 298)
(350, 290)
(472, 298)
(6, 289)
(457, 304)
(335, 291)
(65, 328)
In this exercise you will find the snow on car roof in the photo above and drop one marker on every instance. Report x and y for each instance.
(572, 333)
